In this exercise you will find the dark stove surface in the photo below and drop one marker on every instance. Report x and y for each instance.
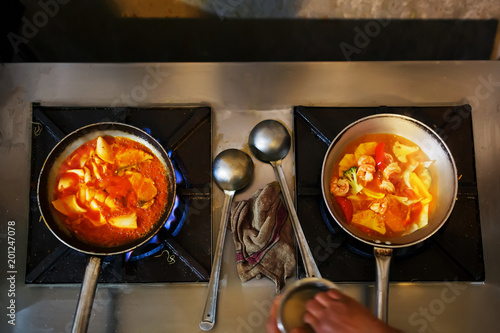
(453, 253)
(181, 251)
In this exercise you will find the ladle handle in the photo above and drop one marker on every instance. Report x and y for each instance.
(86, 298)
(208, 319)
(309, 263)
(383, 258)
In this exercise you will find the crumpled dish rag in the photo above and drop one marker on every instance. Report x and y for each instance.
(262, 235)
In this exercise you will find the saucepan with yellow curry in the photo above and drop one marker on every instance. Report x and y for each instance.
(389, 181)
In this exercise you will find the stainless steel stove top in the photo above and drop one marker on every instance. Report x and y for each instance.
(241, 95)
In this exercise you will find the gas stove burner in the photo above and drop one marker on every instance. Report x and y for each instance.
(171, 228)
(178, 216)
(181, 250)
(366, 250)
(360, 248)
(453, 253)
(151, 248)
(148, 130)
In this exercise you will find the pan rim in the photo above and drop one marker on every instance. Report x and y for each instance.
(435, 136)
(158, 225)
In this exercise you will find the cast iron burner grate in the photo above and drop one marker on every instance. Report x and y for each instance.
(181, 251)
(453, 253)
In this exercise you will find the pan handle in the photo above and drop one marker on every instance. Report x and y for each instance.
(86, 298)
(383, 258)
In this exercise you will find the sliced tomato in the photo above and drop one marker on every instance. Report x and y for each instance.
(346, 206)
(380, 156)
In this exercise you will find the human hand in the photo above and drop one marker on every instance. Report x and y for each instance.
(333, 311)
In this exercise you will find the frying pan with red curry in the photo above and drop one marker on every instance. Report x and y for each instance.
(106, 188)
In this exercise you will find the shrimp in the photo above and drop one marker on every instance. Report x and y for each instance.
(366, 159)
(388, 158)
(339, 187)
(388, 186)
(380, 206)
(365, 172)
(390, 169)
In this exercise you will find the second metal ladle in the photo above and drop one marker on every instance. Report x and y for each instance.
(270, 142)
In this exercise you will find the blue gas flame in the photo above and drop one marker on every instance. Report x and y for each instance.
(178, 175)
(171, 218)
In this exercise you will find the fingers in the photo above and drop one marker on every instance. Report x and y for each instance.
(322, 306)
(328, 298)
(317, 308)
(311, 319)
(322, 299)
(336, 294)
(271, 324)
(319, 311)
(317, 305)
(325, 298)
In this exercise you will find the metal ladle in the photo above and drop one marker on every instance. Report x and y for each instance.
(233, 170)
(270, 142)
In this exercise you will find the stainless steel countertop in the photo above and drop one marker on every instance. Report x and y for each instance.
(241, 95)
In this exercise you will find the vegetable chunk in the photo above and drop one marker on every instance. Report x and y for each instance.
(401, 151)
(124, 221)
(132, 157)
(104, 151)
(346, 163)
(147, 191)
(68, 205)
(367, 148)
(351, 177)
(370, 220)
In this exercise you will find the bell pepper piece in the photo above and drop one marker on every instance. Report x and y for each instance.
(380, 156)
(346, 206)
(373, 194)
(419, 188)
(425, 177)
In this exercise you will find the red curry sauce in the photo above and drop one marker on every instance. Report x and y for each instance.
(112, 198)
